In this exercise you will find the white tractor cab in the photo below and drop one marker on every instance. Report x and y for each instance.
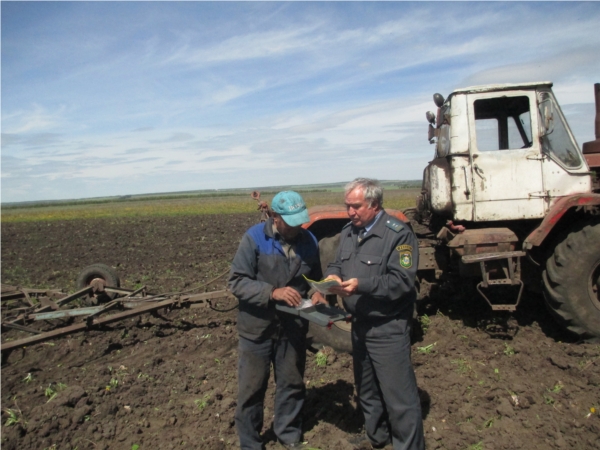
(502, 152)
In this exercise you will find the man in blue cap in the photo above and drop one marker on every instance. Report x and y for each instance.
(268, 268)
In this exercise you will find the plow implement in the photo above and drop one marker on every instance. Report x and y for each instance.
(22, 307)
(99, 304)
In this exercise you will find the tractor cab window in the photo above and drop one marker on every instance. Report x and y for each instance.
(556, 139)
(502, 123)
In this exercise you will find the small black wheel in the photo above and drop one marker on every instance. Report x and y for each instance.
(572, 280)
(102, 271)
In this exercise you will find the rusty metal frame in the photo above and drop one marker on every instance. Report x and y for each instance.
(130, 300)
(512, 275)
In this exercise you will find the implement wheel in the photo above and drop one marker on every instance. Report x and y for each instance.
(572, 280)
(102, 272)
(338, 336)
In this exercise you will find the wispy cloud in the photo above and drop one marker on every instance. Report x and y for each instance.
(106, 98)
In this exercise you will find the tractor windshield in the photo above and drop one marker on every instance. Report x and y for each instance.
(557, 140)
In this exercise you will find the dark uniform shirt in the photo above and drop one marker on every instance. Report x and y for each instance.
(385, 263)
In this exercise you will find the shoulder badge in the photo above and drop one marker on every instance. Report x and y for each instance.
(405, 252)
(394, 224)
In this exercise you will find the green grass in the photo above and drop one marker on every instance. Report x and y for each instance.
(394, 198)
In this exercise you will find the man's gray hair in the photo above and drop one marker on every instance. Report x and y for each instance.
(371, 188)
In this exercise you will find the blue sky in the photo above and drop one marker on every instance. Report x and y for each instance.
(115, 98)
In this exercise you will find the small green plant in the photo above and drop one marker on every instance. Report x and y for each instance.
(548, 400)
(135, 447)
(489, 423)
(113, 383)
(50, 393)
(508, 350)
(462, 365)
(28, 378)
(425, 322)
(14, 417)
(478, 446)
(556, 388)
(202, 403)
(321, 359)
(427, 349)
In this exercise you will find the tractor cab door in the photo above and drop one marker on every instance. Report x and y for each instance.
(505, 156)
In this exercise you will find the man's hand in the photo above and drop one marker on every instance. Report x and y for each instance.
(318, 298)
(288, 295)
(347, 288)
(334, 277)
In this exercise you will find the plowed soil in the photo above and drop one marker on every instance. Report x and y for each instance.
(169, 381)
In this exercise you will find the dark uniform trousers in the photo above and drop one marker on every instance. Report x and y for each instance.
(386, 383)
(288, 356)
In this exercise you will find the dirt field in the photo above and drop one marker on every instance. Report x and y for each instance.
(169, 381)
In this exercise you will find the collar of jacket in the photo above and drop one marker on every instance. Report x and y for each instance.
(269, 231)
(378, 228)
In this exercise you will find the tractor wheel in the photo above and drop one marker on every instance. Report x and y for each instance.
(572, 280)
(102, 271)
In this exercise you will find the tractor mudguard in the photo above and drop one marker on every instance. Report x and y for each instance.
(538, 235)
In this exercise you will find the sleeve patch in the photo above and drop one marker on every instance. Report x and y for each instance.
(406, 259)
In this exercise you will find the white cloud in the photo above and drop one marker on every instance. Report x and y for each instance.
(160, 92)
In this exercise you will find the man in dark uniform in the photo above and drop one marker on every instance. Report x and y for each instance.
(376, 264)
(268, 268)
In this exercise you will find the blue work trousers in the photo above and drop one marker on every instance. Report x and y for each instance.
(288, 356)
(386, 384)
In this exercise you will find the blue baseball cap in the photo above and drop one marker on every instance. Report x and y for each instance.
(291, 207)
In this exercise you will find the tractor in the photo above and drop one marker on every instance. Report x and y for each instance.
(508, 202)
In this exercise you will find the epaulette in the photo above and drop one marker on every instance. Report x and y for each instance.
(394, 224)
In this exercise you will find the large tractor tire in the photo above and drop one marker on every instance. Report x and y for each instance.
(102, 271)
(572, 280)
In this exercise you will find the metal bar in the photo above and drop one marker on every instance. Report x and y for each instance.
(57, 303)
(62, 313)
(75, 295)
(82, 326)
(21, 328)
(484, 275)
(131, 294)
(468, 259)
(107, 307)
(28, 298)
(207, 296)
